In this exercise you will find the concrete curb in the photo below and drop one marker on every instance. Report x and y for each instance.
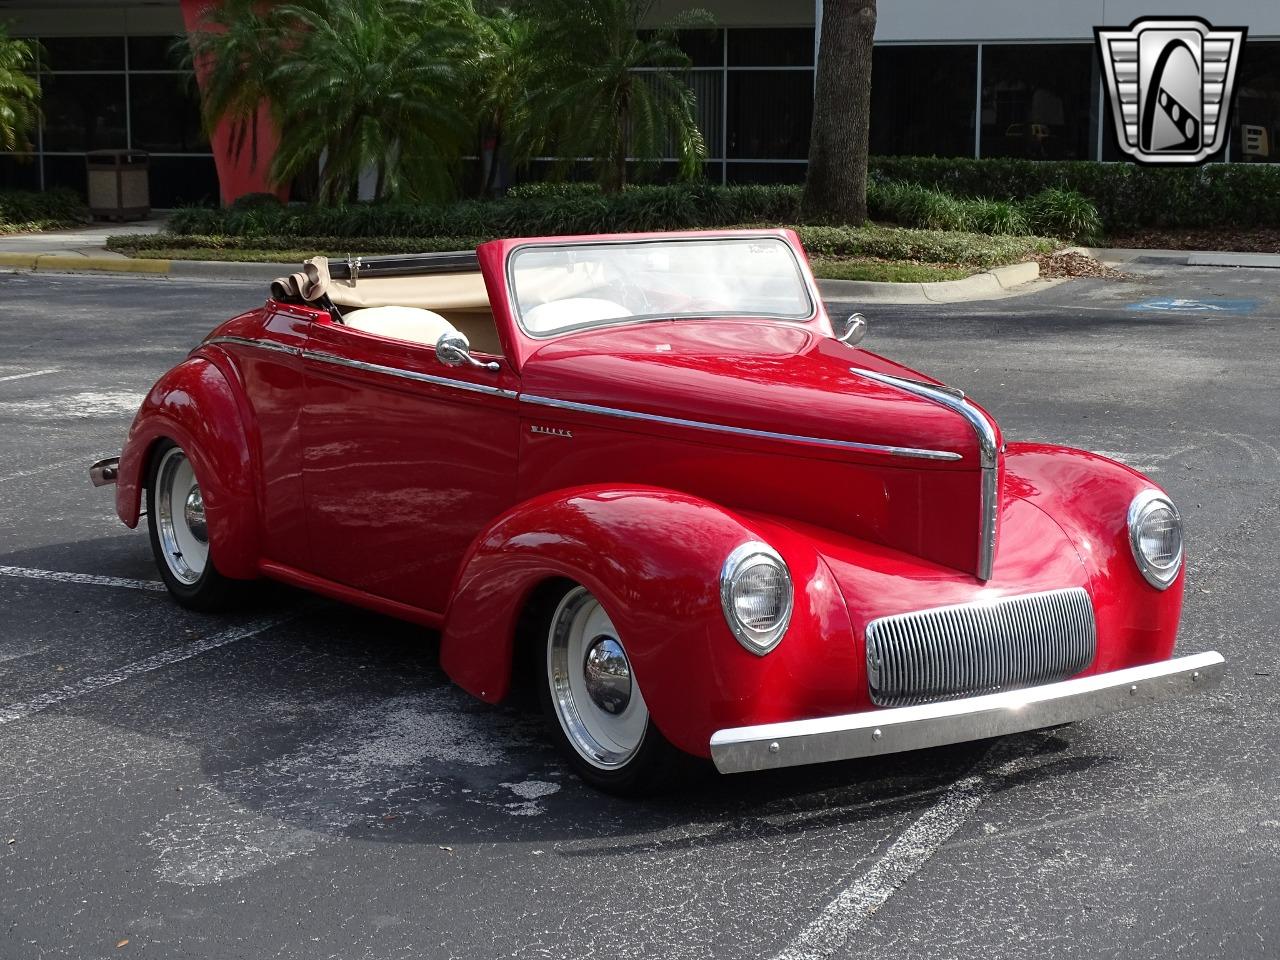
(179, 269)
(68, 263)
(997, 282)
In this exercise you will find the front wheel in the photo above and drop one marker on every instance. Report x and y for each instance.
(180, 533)
(593, 702)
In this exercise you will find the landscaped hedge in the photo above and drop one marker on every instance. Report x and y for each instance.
(637, 209)
(1126, 195)
(23, 209)
(884, 243)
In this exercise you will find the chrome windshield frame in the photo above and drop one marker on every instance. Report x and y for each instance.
(806, 282)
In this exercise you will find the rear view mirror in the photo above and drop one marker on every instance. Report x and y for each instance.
(851, 329)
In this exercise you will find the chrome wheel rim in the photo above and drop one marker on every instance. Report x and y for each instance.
(180, 518)
(593, 690)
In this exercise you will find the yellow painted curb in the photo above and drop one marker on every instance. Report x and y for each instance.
(26, 261)
(55, 261)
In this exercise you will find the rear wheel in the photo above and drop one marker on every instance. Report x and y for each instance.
(594, 706)
(180, 533)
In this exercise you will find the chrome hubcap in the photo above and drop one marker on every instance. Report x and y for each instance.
(193, 513)
(608, 675)
(181, 525)
(595, 697)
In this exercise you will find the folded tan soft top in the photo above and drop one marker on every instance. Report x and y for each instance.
(440, 291)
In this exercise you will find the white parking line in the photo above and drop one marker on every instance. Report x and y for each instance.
(60, 576)
(833, 928)
(18, 711)
(33, 373)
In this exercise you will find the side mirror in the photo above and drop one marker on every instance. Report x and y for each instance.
(453, 349)
(851, 329)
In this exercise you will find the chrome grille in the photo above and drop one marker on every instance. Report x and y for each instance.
(978, 648)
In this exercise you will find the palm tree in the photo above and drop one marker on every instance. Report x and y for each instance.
(235, 49)
(371, 85)
(614, 92)
(506, 71)
(19, 93)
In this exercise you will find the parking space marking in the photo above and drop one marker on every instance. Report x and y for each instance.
(832, 929)
(61, 576)
(72, 691)
(33, 373)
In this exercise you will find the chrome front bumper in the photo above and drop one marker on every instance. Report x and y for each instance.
(740, 749)
(105, 471)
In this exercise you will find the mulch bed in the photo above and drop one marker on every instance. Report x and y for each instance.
(1244, 240)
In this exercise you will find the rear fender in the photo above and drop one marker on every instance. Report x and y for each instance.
(653, 558)
(196, 407)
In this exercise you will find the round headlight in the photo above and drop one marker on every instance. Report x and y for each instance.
(755, 591)
(1155, 534)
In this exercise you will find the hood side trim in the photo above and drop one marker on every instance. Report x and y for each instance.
(988, 449)
(910, 452)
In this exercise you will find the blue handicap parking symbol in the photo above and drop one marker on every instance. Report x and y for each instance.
(1179, 305)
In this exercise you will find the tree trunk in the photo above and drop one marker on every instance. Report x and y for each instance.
(836, 186)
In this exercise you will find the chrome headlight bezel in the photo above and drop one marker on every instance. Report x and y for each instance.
(1142, 506)
(748, 556)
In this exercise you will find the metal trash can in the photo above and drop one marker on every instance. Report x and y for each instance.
(119, 184)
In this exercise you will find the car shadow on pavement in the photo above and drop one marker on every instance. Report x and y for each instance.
(337, 723)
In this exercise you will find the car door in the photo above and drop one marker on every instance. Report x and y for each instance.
(404, 461)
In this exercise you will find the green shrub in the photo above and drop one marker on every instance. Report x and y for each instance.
(1063, 213)
(929, 246)
(999, 217)
(1126, 196)
(51, 208)
(639, 208)
(883, 243)
(257, 201)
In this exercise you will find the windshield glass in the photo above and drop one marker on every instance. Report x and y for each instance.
(572, 286)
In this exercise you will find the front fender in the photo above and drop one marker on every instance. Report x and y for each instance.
(195, 406)
(653, 558)
(1088, 495)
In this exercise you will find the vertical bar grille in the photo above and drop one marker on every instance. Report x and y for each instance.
(977, 648)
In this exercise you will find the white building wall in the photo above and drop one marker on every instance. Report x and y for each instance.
(900, 21)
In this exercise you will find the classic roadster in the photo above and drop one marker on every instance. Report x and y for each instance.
(649, 475)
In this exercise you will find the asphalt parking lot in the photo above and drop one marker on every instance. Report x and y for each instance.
(302, 781)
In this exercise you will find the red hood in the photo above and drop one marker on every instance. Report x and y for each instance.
(748, 374)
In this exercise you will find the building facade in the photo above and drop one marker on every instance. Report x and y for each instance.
(971, 78)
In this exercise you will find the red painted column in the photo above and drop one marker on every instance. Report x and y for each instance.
(236, 175)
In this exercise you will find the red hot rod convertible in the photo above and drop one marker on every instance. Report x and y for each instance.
(650, 475)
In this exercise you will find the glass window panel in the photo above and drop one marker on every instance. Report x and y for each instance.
(704, 47)
(66, 172)
(84, 112)
(153, 53)
(19, 172)
(707, 90)
(769, 114)
(183, 180)
(765, 172)
(922, 100)
(1255, 118)
(165, 114)
(83, 53)
(1036, 101)
(771, 47)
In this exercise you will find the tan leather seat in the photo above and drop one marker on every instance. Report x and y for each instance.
(558, 314)
(412, 324)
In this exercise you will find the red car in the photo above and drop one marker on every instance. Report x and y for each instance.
(650, 476)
